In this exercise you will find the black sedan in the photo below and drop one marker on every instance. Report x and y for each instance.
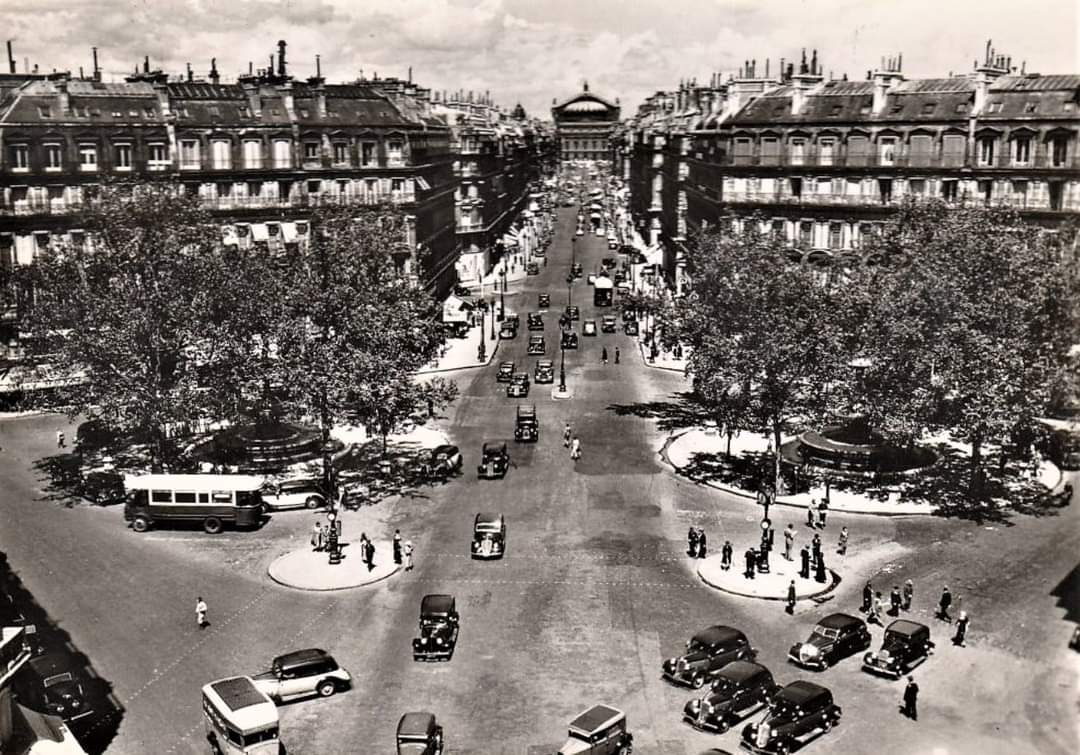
(834, 638)
(799, 712)
(740, 689)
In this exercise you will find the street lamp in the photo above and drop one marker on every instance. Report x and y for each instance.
(502, 293)
(483, 345)
(492, 308)
(573, 254)
(562, 365)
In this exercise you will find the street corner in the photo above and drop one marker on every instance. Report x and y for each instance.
(308, 569)
(770, 585)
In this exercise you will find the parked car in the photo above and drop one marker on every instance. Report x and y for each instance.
(707, 652)
(588, 328)
(740, 689)
(535, 321)
(630, 327)
(527, 426)
(519, 385)
(536, 346)
(608, 262)
(52, 684)
(620, 276)
(797, 713)
(834, 638)
(507, 330)
(489, 536)
(506, 371)
(438, 629)
(302, 673)
(301, 493)
(543, 301)
(102, 485)
(419, 734)
(460, 290)
(601, 730)
(906, 644)
(628, 315)
(545, 371)
(532, 269)
(569, 340)
(572, 312)
(612, 243)
(608, 324)
(575, 270)
(443, 461)
(494, 460)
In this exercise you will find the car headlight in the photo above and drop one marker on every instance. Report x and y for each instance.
(423, 640)
(438, 641)
(59, 707)
(74, 703)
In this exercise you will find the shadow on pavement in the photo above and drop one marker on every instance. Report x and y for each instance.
(680, 413)
(1067, 593)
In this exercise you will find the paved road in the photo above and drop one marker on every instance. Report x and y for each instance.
(593, 593)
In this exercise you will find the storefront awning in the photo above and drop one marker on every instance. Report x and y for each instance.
(259, 232)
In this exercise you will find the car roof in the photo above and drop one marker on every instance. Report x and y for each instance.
(800, 692)
(595, 719)
(50, 663)
(536, 339)
(416, 724)
(903, 626)
(718, 634)
(489, 517)
(742, 671)
(506, 364)
(494, 445)
(301, 657)
(447, 449)
(437, 604)
(839, 621)
(251, 708)
(545, 362)
(524, 410)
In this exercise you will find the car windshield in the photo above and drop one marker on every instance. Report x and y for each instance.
(697, 646)
(578, 736)
(827, 632)
(55, 679)
(724, 686)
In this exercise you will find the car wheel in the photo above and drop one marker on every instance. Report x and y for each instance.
(211, 525)
(783, 749)
(697, 681)
(326, 688)
(625, 750)
(140, 524)
(313, 502)
(827, 726)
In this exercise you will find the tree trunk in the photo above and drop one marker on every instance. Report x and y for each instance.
(324, 428)
(975, 481)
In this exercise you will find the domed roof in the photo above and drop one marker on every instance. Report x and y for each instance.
(586, 106)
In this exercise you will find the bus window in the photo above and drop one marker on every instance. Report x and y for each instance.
(161, 496)
(266, 735)
(222, 496)
(183, 496)
(248, 498)
(137, 497)
(204, 498)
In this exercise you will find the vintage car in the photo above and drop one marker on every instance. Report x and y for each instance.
(527, 427)
(576, 270)
(513, 319)
(302, 673)
(608, 262)
(798, 712)
(519, 385)
(545, 371)
(489, 536)
(612, 243)
(506, 371)
(507, 330)
(536, 346)
(532, 269)
(543, 301)
(535, 321)
(580, 231)
(301, 493)
(835, 637)
(601, 730)
(53, 684)
(572, 312)
(630, 327)
(741, 688)
(444, 461)
(438, 629)
(588, 328)
(419, 734)
(494, 460)
(568, 340)
(707, 652)
(608, 324)
(628, 315)
(906, 644)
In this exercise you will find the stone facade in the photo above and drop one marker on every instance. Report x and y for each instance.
(583, 126)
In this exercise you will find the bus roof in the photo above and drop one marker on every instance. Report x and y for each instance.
(241, 703)
(192, 482)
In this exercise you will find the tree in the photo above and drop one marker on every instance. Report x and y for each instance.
(126, 310)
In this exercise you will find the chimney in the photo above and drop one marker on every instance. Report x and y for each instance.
(146, 64)
(251, 89)
(63, 96)
(803, 82)
(11, 58)
(281, 58)
(190, 73)
(215, 78)
(992, 68)
(410, 74)
(318, 67)
(885, 79)
(97, 70)
(320, 98)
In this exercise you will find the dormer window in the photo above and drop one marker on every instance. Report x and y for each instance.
(896, 108)
(961, 107)
(304, 113)
(995, 107)
(44, 111)
(836, 110)
(928, 108)
(133, 113)
(149, 112)
(1031, 107)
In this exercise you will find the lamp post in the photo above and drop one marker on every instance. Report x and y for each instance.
(562, 366)
(483, 345)
(502, 293)
(492, 309)
(573, 254)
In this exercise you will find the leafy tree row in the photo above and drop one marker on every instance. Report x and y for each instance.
(169, 325)
(955, 320)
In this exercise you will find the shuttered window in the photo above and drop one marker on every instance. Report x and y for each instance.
(770, 150)
(952, 151)
(743, 151)
(857, 148)
(921, 149)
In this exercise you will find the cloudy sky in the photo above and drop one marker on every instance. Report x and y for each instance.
(535, 50)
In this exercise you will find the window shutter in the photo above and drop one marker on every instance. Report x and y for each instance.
(857, 150)
(922, 147)
(953, 150)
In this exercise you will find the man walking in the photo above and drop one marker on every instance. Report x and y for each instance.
(397, 547)
(603, 355)
(691, 543)
(789, 540)
(316, 537)
(841, 546)
(369, 555)
(823, 509)
(810, 516)
(867, 597)
(815, 546)
(874, 617)
(791, 598)
(575, 448)
(804, 570)
(961, 629)
(408, 555)
(895, 601)
(200, 613)
(59, 438)
(909, 593)
(751, 557)
(911, 699)
(943, 605)
(701, 543)
(725, 555)
(567, 432)
(616, 355)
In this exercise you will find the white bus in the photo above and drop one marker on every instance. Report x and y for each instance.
(240, 720)
(213, 500)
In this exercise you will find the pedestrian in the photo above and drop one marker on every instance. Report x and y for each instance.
(961, 629)
(200, 613)
(810, 516)
(867, 597)
(789, 540)
(822, 511)
(59, 438)
(911, 699)
(603, 354)
(397, 547)
(909, 593)
(943, 605)
(874, 617)
(316, 537)
(408, 555)
(819, 574)
(815, 547)
(575, 448)
(691, 543)
(804, 555)
(369, 555)
(791, 598)
(751, 557)
(725, 555)
(616, 355)
(701, 544)
(841, 545)
(895, 601)
(567, 432)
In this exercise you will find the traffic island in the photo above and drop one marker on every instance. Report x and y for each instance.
(771, 585)
(308, 569)
(560, 395)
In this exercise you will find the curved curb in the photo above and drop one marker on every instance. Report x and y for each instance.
(291, 586)
(478, 365)
(654, 366)
(834, 582)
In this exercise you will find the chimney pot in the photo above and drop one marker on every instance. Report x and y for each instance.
(281, 57)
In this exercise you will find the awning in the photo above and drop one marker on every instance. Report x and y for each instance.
(259, 232)
(456, 309)
(288, 232)
(25, 377)
(422, 183)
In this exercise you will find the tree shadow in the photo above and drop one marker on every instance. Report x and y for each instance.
(682, 412)
(1067, 592)
(92, 470)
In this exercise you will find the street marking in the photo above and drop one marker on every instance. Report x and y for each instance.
(608, 583)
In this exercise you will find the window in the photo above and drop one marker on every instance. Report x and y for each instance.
(885, 190)
(54, 157)
(798, 151)
(397, 187)
(986, 148)
(778, 229)
(796, 187)
(826, 149)
(961, 107)
(952, 150)
(252, 153)
(1019, 193)
(19, 157)
(341, 153)
(159, 156)
(921, 150)
(995, 107)
(189, 154)
(282, 153)
(221, 154)
(857, 150)
(87, 157)
(806, 233)
(887, 150)
(122, 157)
(928, 108)
(950, 190)
(44, 111)
(1021, 152)
(367, 153)
(836, 110)
(1031, 107)
(1058, 151)
(836, 235)
(743, 151)
(311, 152)
(917, 186)
(395, 153)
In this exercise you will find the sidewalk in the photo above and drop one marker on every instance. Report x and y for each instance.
(307, 569)
(665, 360)
(461, 353)
(770, 586)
